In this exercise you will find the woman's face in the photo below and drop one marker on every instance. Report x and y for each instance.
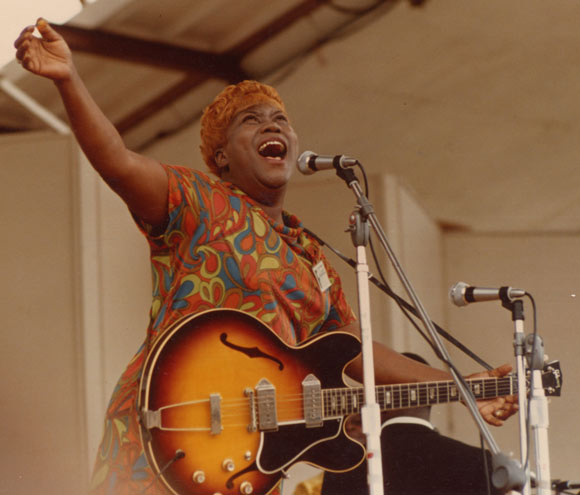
(260, 153)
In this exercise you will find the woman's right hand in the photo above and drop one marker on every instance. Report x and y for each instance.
(48, 56)
(140, 181)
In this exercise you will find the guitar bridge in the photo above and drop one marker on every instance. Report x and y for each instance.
(215, 414)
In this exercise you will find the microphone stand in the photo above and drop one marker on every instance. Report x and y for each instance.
(538, 419)
(516, 307)
(539, 422)
(531, 348)
(370, 411)
(507, 473)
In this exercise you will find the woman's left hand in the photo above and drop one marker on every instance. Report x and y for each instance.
(496, 411)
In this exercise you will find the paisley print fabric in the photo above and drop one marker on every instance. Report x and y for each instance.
(219, 250)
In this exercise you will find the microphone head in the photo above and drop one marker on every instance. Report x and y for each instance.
(303, 162)
(457, 294)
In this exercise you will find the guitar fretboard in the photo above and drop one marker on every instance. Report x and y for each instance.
(344, 401)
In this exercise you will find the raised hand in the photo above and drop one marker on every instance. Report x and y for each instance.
(496, 411)
(48, 56)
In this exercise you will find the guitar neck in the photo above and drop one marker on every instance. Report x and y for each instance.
(340, 402)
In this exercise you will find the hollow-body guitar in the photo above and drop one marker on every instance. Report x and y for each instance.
(226, 407)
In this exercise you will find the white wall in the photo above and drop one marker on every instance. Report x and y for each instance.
(43, 433)
(115, 295)
(75, 299)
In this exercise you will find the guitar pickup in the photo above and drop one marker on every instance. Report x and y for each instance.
(312, 401)
(266, 401)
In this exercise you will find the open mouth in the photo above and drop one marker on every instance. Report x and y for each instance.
(273, 149)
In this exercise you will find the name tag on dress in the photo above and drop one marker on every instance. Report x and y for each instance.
(321, 276)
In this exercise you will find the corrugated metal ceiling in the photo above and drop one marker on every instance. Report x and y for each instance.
(472, 104)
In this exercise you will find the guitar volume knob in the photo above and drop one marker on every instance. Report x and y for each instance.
(228, 465)
(246, 488)
(198, 477)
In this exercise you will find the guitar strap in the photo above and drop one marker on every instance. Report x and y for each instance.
(405, 306)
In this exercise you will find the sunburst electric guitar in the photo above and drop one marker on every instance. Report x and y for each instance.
(227, 407)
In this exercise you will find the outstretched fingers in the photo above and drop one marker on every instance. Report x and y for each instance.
(24, 38)
(24, 48)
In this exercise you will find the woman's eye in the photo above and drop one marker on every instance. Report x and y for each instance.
(250, 118)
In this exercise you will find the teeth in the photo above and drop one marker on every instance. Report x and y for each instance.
(263, 146)
(273, 149)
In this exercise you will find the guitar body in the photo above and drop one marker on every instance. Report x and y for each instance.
(199, 384)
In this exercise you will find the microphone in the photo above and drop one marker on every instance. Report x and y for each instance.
(309, 162)
(462, 294)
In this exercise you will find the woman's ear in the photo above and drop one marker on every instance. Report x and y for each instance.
(221, 159)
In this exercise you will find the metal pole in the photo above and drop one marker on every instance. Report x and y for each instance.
(34, 107)
(370, 412)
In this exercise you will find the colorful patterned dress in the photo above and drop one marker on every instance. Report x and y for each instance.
(219, 250)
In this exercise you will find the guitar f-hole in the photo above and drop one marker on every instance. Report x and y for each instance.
(252, 352)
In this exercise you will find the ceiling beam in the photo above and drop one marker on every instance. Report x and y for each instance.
(152, 53)
(239, 50)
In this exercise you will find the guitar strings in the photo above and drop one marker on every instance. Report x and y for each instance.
(338, 402)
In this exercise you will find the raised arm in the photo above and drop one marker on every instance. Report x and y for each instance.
(140, 181)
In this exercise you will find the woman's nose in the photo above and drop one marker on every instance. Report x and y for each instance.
(271, 126)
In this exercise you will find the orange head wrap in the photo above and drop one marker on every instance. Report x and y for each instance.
(218, 115)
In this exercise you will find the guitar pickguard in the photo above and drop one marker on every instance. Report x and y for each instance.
(311, 445)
